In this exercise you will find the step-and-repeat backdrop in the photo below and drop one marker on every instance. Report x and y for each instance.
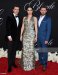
(6, 7)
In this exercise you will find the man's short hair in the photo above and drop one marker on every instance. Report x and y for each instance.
(44, 7)
(15, 6)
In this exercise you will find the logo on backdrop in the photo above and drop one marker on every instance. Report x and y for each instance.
(1, 19)
(37, 4)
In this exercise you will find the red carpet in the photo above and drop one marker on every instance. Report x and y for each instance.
(52, 69)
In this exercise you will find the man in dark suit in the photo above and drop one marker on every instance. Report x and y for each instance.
(44, 31)
(13, 28)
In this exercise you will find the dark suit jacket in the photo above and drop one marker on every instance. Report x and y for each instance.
(13, 30)
(11, 27)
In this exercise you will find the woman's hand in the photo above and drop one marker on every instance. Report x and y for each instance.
(21, 38)
(35, 39)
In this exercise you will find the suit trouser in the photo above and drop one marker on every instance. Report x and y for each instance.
(11, 53)
(43, 53)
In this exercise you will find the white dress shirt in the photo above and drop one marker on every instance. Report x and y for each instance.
(17, 19)
(40, 20)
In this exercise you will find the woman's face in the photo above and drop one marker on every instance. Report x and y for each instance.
(29, 11)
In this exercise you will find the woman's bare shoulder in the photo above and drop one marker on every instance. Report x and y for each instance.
(35, 18)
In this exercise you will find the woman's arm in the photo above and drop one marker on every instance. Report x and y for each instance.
(35, 25)
(22, 29)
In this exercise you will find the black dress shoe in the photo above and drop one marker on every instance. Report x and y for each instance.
(37, 65)
(9, 69)
(44, 69)
(15, 66)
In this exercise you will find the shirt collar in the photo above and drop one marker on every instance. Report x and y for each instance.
(14, 14)
(42, 16)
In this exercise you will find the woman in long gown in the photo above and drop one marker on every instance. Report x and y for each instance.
(28, 37)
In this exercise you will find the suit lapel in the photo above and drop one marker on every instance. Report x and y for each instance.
(15, 20)
(42, 20)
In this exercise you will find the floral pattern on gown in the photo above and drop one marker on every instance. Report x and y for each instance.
(28, 53)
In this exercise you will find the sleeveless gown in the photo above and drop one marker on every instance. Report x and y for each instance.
(28, 53)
